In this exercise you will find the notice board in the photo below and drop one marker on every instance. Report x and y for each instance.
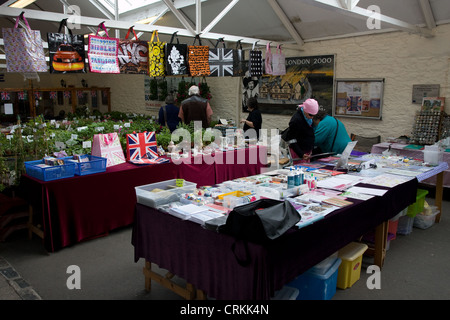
(359, 98)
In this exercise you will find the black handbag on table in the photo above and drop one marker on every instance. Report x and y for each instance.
(260, 222)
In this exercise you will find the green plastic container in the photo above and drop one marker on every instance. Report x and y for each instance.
(417, 206)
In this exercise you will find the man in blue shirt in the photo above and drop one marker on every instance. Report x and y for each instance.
(330, 133)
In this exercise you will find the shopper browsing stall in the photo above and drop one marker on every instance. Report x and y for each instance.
(330, 133)
(254, 118)
(301, 129)
(168, 114)
(195, 108)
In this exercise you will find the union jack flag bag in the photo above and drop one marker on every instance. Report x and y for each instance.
(141, 145)
(108, 146)
(221, 61)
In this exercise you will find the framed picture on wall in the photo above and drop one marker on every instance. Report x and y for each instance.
(306, 77)
(359, 98)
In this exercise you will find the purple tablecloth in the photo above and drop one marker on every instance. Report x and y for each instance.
(204, 258)
(83, 207)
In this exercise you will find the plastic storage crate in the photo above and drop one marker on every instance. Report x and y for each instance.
(423, 221)
(94, 165)
(405, 225)
(317, 286)
(160, 193)
(286, 293)
(417, 206)
(350, 268)
(50, 173)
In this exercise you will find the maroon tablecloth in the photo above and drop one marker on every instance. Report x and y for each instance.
(83, 207)
(204, 258)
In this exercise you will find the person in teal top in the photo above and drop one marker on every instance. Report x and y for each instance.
(325, 131)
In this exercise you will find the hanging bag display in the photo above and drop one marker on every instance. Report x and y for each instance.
(238, 61)
(198, 59)
(133, 55)
(268, 61)
(66, 51)
(278, 63)
(156, 56)
(108, 146)
(255, 62)
(23, 48)
(259, 221)
(176, 57)
(221, 60)
(103, 53)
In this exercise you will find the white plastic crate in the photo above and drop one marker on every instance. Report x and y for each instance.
(163, 192)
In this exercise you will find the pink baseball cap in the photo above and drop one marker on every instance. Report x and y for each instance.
(310, 106)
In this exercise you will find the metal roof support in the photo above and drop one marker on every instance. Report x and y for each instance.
(367, 14)
(286, 22)
(349, 4)
(198, 16)
(428, 13)
(180, 17)
(220, 16)
(125, 25)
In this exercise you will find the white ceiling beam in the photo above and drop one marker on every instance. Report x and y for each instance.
(102, 9)
(349, 4)
(286, 22)
(362, 13)
(198, 16)
(125, 25)
(220, 16)
(428, 13)
(7, 3)
(179, 16)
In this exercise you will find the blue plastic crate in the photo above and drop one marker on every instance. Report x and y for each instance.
(317, 286)
(66, 170)
(94, 165)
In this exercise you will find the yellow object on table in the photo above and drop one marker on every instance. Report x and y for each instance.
(235, 193)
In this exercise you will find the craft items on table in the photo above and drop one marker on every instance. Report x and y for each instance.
(333, 192)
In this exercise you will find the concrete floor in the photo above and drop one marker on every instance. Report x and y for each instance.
(416, 267)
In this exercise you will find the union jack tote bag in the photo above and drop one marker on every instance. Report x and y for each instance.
(141, 145)
(221, 61)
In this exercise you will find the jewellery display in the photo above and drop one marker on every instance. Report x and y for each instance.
(427, 127)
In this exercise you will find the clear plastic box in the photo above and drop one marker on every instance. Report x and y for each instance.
(160, 193)
(423, 221)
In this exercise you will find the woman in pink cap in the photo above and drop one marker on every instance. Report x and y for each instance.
(301, 130)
